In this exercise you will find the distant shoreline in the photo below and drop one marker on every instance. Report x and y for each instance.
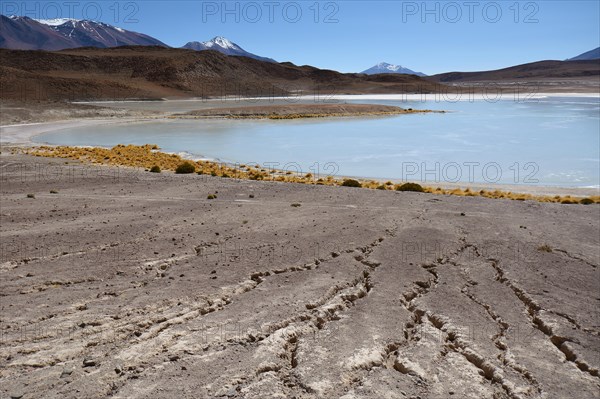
(292, 100)
(300, 111)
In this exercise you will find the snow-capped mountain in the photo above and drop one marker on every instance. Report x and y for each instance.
(589, 55)
(224, 46)
(25, 33)
(384, 67)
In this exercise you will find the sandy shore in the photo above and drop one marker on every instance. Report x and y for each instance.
(24, 134)
(123, 283)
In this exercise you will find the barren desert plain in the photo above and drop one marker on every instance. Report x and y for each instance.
(117, 282)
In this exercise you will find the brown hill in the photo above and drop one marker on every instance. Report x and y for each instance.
(531, 71)
(156, 72)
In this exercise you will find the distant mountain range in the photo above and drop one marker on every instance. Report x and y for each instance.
(25, 33)
(590, 55)
(551, 67)
(384, 67)
(224, 46)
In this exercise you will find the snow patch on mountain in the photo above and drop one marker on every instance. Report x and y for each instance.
(56, 21)
(223, 42)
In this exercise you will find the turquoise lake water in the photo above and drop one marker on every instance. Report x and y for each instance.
(553, 141)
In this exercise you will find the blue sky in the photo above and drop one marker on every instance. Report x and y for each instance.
(350, 36)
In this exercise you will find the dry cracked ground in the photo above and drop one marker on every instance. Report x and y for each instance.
(128, 284)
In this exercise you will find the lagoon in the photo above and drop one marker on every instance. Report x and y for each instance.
(546, 141)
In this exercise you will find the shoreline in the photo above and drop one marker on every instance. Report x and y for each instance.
(23, 134)
(149, 156)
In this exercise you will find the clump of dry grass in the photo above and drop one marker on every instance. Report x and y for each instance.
(351, 183)
(411, 187)
(186, 167)
(147, 157)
